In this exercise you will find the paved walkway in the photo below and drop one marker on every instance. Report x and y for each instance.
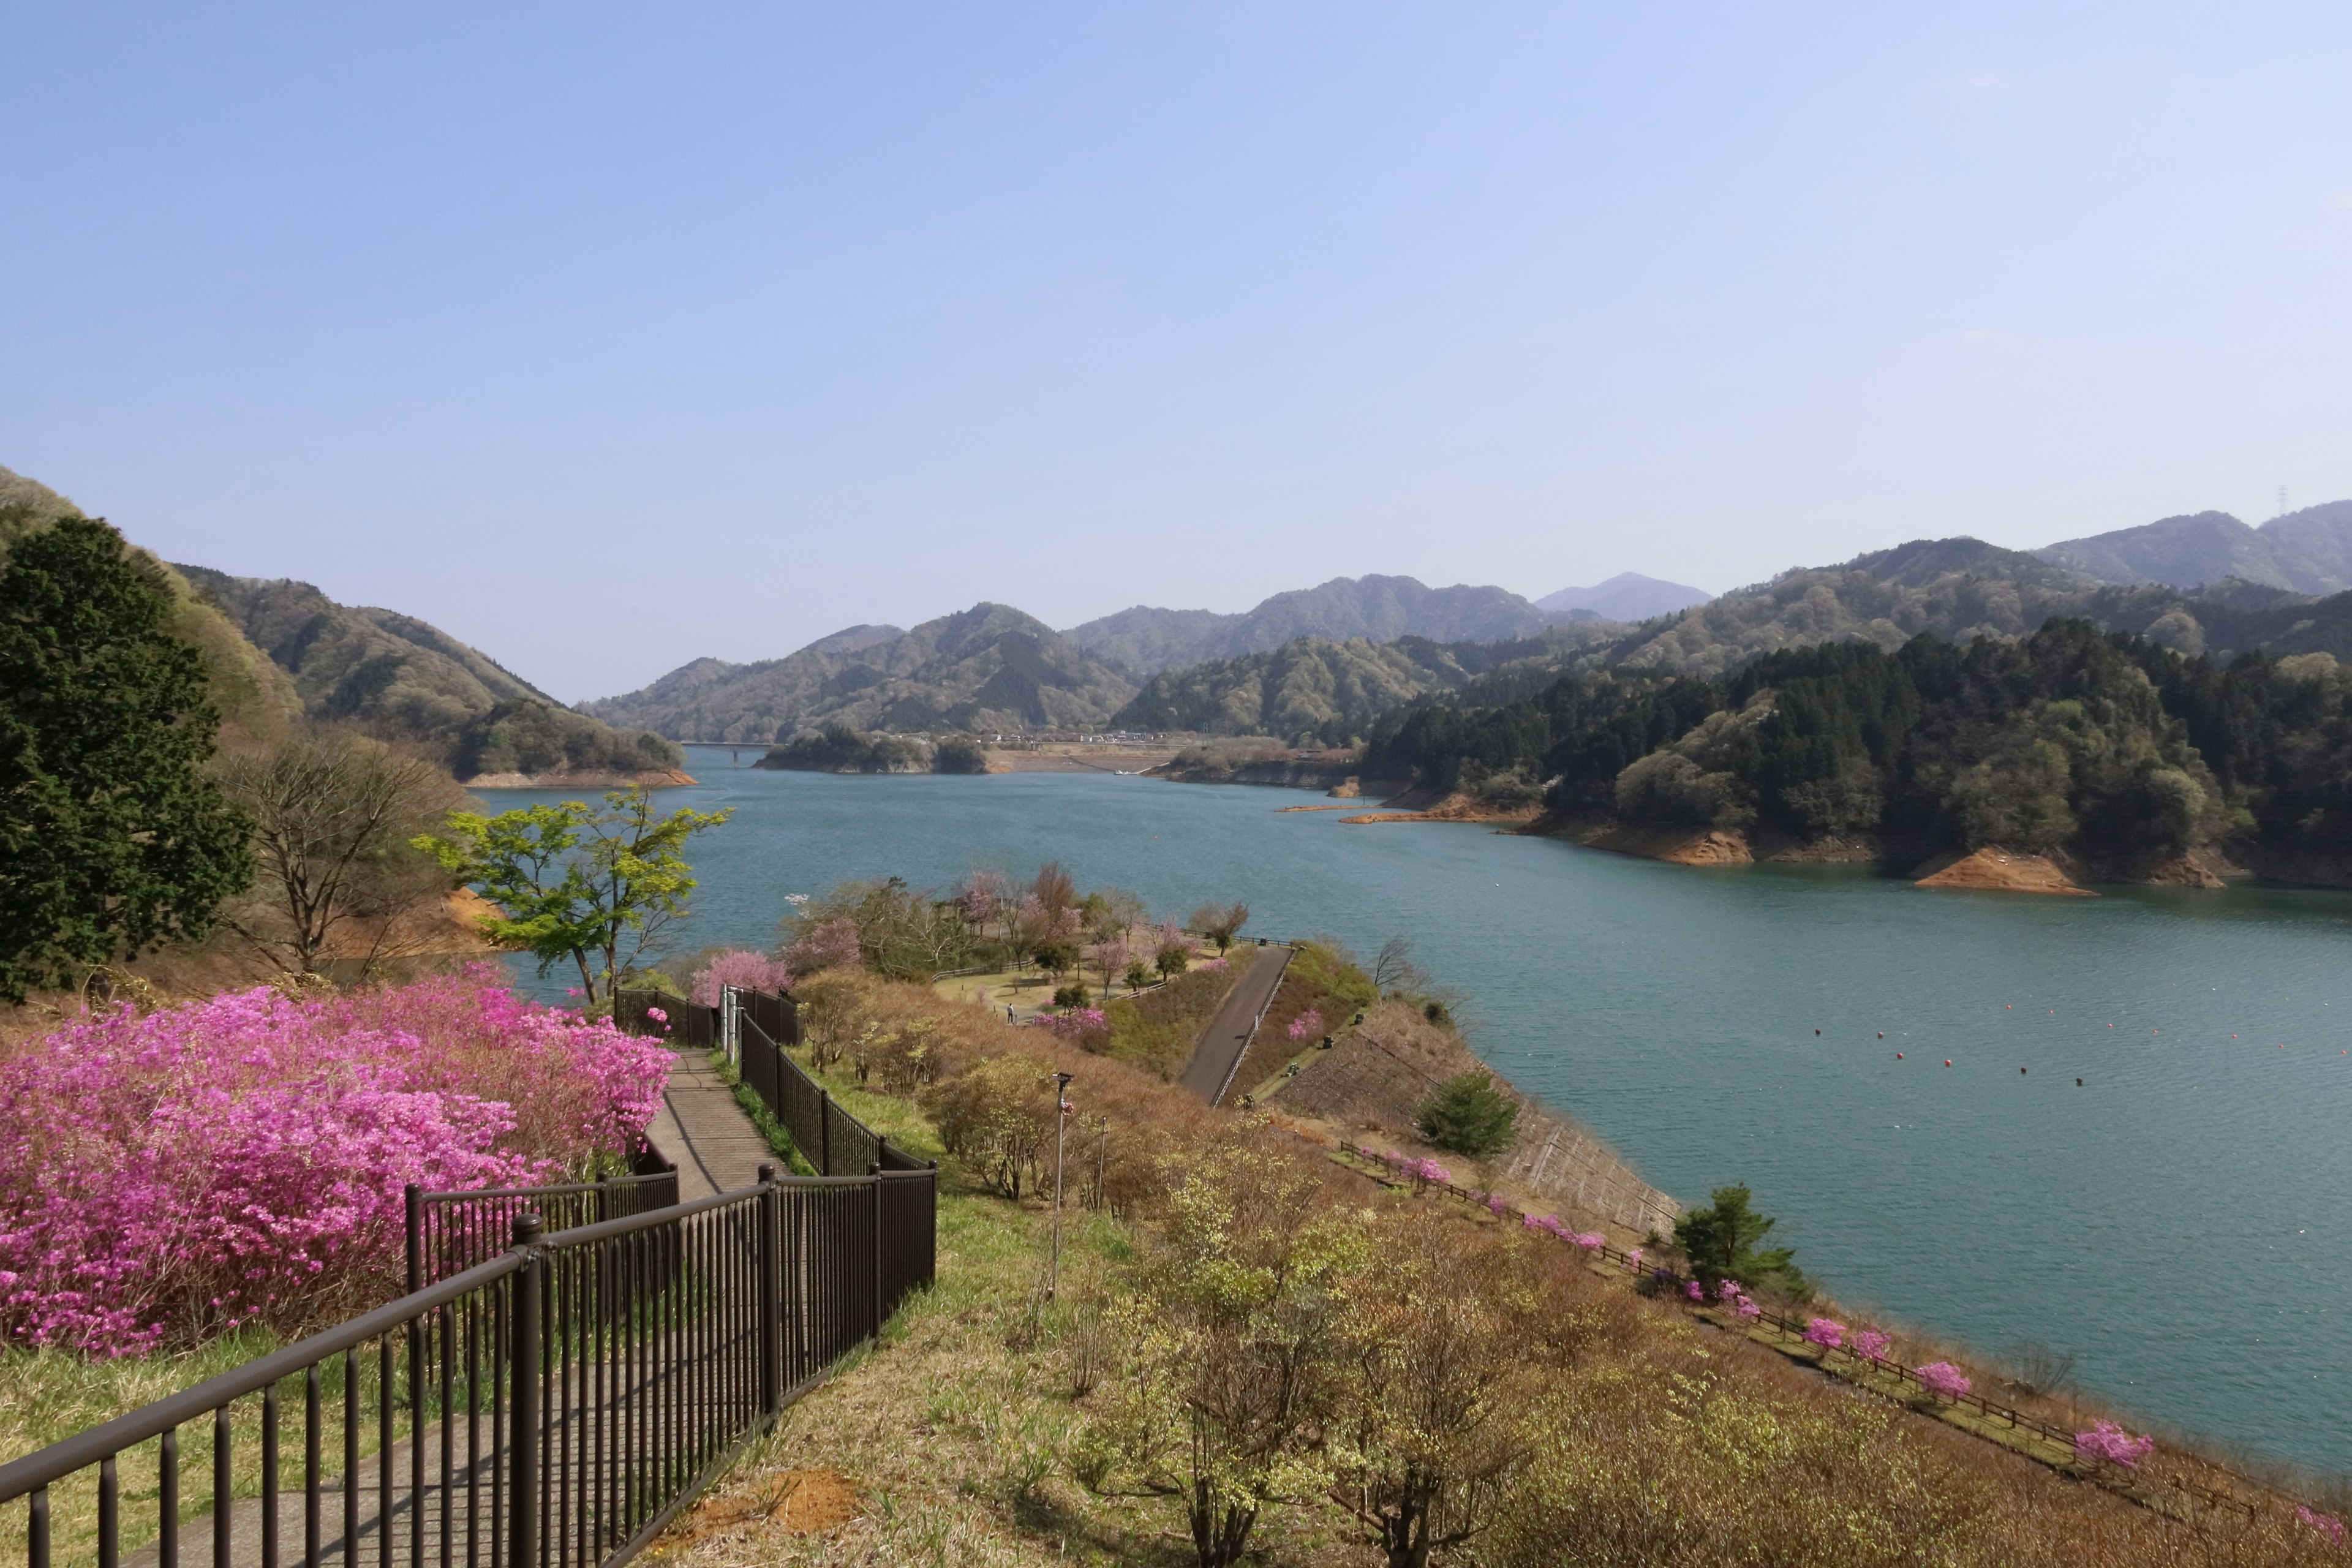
(1228, 1034)
(703, 1132)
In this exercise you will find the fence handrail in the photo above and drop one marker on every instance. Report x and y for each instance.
(550, 1189)
(62, 1458)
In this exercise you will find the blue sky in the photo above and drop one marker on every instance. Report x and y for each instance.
(607, 337)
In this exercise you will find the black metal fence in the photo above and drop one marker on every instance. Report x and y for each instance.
(448, 1233)
(681, 1024)
(831, 1140)
(552, 1406)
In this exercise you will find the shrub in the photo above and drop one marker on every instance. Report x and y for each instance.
(1942, 1377)
(751, 971)
(1469, 1116)
(997, 1118)
(240, 1161)
(2107, 1441)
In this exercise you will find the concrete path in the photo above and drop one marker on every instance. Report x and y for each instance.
(1228, 1034)
(703, 1132)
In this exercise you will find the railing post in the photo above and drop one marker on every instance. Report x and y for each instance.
(824, 1132)
(771, 1317)
(522, 1540)
(875, 1170)
(412, 1198)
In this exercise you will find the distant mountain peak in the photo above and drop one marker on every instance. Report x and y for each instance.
(1627, 596)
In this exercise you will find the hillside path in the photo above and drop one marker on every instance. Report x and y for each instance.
(1228, 1034)
(702, 1131)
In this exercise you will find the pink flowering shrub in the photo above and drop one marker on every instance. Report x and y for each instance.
(739, 966)
(1218, 965)
(1587, 1240)
(1693, 1289)
(1088, 1027)
(1942, 1377)
(828, 944)
(1306, 1025)
(2329, 1527)
(241, 1160)
(1748, 1309)
(1871, 1345)
(1727, 1288)
(1826, 1333)
(2107, 1441)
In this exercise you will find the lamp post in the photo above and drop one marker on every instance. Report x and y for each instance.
(1061, 1127)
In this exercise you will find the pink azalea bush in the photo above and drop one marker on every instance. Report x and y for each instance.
(1748, 1309)
(1694, 1290)
(2327, 1524)
(240, 1160)
(2107, 1441)
(741, 967)
(1306, 1025)
(1871, 1345)
(1085, 1027)
(1942, 1377)
(1826, 1333)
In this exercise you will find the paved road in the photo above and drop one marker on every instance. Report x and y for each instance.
(1228, 1034)
(702, 1131)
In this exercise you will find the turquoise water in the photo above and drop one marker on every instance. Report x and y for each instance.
(2181, 1220)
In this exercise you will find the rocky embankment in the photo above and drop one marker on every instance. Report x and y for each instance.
(1378, 1074)
(1426, 805)
(651, 778)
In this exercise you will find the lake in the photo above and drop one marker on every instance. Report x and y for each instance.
(2181, 1220)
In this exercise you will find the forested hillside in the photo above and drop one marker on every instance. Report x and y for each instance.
(990, 667)
(398, 679)
(1143, 640)
(2102, 747)
(1316, 693)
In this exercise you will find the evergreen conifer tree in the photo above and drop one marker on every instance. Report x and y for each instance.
(1469, 1116)
(113, 838)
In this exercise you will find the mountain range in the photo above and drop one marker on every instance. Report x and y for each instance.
(1143, 641)
(2306, 552)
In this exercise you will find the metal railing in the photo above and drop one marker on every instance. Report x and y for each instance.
(448, 1233)
(553, 1406)
(831, 1140)
(684, 1023)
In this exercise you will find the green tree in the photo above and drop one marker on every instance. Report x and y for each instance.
(1469, 1116)
(595, 885)
(1722, 1243)
(112, 836)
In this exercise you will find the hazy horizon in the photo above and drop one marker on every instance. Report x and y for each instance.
(604, 339)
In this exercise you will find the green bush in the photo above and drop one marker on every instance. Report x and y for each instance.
(1469, 1116)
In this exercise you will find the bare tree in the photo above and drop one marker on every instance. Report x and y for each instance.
(1221, 922)
(2036, 1368)
(1394, 972)
(335, 872)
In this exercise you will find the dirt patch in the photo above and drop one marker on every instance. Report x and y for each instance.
(794, 1502)
(1678, 846)
(1998, 870)
(1455, 808)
